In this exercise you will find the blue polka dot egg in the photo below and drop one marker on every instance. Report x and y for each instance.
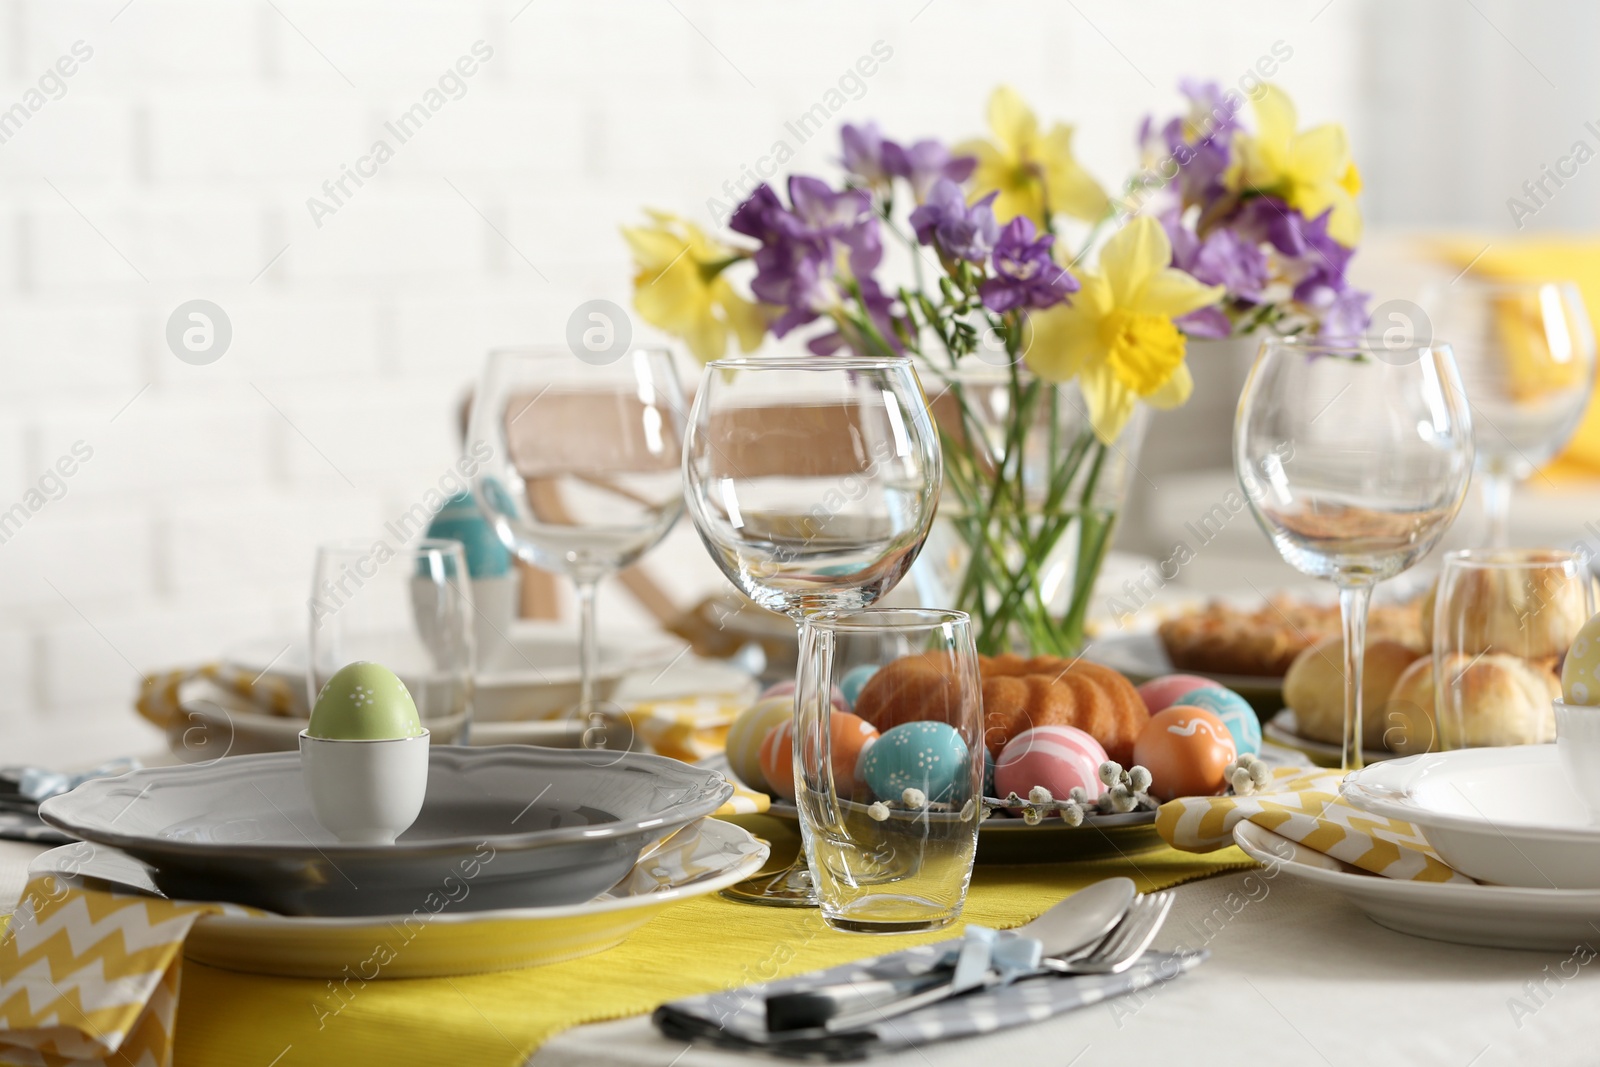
(1234, 711)
(929, 756)
(856, 677)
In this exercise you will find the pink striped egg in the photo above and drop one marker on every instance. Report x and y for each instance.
(1161, 693)
(1056, 757)
(849, 735)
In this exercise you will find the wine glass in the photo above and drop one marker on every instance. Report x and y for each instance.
(409, 609)
(1354, 458)
(812, 482)
(582, 470)
(1526, 355)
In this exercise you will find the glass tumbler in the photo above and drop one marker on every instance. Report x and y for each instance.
(890, 799)
(1502, 622)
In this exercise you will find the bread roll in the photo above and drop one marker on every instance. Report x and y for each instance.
(1314, 688)
(1530, 611)
(1502, 700)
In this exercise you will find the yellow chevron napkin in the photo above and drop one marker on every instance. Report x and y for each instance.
(1303, 804)
(90, 977)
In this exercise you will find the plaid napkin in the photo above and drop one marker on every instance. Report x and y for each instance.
(91, 977)
(1303, 804)
(736, 1018)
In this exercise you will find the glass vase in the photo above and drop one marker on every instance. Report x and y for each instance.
(1029, 509)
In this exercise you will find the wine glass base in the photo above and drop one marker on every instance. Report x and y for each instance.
(789, 888)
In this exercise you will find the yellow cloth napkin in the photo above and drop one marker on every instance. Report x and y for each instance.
(1303, 804)
(160, 698)
(127, 954)
(90, 977)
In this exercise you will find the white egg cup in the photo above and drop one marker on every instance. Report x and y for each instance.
(1578, 743)
(365, 792)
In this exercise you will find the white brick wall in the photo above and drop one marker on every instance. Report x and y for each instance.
(178, 163)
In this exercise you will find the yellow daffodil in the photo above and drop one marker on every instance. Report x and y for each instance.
(1117, 336)
(1034, 172)
(680, 288)
(1311, 171)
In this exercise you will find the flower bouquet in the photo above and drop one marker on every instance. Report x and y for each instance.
(1037, 365)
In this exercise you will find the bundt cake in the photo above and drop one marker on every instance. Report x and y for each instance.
(913, 688)
(1022, 693)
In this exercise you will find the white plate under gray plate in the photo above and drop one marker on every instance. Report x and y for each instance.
(1496, 916)
(536, 677)
(1501, 815)
(445, 939)
(557, 826)
(1284, 729)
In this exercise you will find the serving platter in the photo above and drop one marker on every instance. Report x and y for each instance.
(698, 860)
(525, 825)
(1003, 840)
(1284, 729)
(1495, 916)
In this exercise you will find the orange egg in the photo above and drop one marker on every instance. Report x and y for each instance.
(850, 734)
(1186, 751)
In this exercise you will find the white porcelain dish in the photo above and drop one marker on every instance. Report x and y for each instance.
(532, 676)
(1501, 815)
(1495, 916)
(700, 859)
(546, 827)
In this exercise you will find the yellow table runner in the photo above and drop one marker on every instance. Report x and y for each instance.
(225, 1018)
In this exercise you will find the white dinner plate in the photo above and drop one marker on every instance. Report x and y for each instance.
(1284, 729)
(534, 678)
(700, 859)
(1496, 916)
(1501, 815)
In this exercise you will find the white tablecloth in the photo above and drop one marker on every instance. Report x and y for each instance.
(1297, 976)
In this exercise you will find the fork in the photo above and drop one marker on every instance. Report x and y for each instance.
(1112, 954)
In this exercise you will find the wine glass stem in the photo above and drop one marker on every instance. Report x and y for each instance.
(1497, 506)
(1353, 601)
(588, 645)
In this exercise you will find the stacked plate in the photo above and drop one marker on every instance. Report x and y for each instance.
(520, 856)
(1505, 817)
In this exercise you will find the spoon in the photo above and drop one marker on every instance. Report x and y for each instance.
(1076, 922)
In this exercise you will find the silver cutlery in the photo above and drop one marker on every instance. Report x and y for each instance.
(1081, 921)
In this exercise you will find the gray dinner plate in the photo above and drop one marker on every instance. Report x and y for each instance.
(526, 826)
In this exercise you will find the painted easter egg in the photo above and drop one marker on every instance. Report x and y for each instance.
(364, 702)
(786, 689)
(460, 520)
(1161, 693)
(856, 677)
(1186, 751)
(1580, 674)
(848, 737)
(1234, 711)
(930, 756)
(1059, 758)
(750, 727)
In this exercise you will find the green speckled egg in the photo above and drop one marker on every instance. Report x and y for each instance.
(364, 702)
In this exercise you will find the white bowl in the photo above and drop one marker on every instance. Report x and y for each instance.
(1578, 741)
(366, 792)
(1506, 816)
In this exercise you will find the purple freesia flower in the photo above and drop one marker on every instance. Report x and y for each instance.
(958, 230)
(813, 251)
(926, 163)
(1191, 154)
(1223, 257)
(864, 150)
(1025, 275)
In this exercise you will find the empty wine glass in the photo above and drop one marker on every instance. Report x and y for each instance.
(1526, 355)
(1355, 459)
(583, 471)
(812, 482)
